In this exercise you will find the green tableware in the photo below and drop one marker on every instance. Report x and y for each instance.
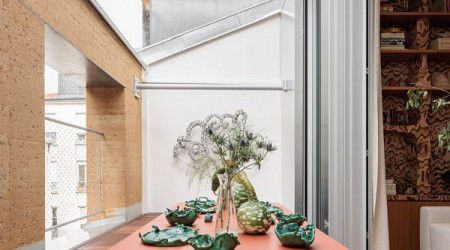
(294, 235)
(174, 236)
(222, 241)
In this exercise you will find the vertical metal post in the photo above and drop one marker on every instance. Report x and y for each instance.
(145, 23)
(300, 108)
(100, 172)
(322, 178)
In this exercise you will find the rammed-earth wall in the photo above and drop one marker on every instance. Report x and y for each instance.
(115, 111)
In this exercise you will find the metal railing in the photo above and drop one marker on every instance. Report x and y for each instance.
(73, 185)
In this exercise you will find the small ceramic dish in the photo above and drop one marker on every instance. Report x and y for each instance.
(294, 235)
(290, 218)
(186, 216)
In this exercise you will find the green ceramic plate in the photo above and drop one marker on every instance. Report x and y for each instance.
(222, 241)
(171, 237)
(204, 201)
(202, 204)
(270, 208)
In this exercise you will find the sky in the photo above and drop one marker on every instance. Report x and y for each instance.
(51, 80)
(127, 16)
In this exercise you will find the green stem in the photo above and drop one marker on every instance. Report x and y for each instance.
(432, 87)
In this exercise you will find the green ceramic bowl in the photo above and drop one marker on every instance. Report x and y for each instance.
(186, 216)
(294, 235)
(290, 218)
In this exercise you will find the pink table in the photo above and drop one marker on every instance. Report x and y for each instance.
(268, 241)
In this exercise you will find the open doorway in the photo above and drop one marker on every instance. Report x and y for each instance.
(73, 161)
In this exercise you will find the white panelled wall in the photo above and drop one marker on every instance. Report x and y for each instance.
(343, 69)
(250, 55)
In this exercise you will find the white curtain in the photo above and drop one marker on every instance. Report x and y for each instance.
(379, 236)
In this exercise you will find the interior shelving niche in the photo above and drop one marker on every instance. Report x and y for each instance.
(413, 159)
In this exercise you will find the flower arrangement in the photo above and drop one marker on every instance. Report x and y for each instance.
(227, 145)
(239, 149)
(227, 148)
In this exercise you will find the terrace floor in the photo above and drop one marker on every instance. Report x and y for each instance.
(111, 238)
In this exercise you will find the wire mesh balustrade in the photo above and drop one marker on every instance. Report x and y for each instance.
(72, 175)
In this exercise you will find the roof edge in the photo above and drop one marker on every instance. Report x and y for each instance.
(116, 30)
(208, 32)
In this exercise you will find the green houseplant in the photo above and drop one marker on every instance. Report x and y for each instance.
(416, 97)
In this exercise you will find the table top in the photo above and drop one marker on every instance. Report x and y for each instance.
(268, 241)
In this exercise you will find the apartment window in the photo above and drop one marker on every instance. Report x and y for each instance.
(50, 138)
(81, 138)
(54, 187)
(54, 215)
(83, 213)
(82, 175)
(54, 221)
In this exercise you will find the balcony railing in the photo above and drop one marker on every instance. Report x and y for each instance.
(72, 174)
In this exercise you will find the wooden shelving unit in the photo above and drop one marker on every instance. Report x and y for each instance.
(418, 197)
(409, 54)
(402, 90)
(404, 19)
(409, 149)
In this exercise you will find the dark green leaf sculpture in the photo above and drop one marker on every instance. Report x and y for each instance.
(184, 217)
(171, 237)
(294, 235)
(202, 204)
(290, 218)
(222, 241)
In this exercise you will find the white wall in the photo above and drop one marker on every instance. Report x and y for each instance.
(247, 55)
(344, 71)
(250, 55)
(287, 71)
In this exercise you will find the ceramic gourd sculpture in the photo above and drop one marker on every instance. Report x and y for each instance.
(252, 216)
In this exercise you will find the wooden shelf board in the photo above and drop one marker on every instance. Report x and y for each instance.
(402, 90)
(418, 197)
(400, 129)
(406, 88)
(405, 19)
(388, 55)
